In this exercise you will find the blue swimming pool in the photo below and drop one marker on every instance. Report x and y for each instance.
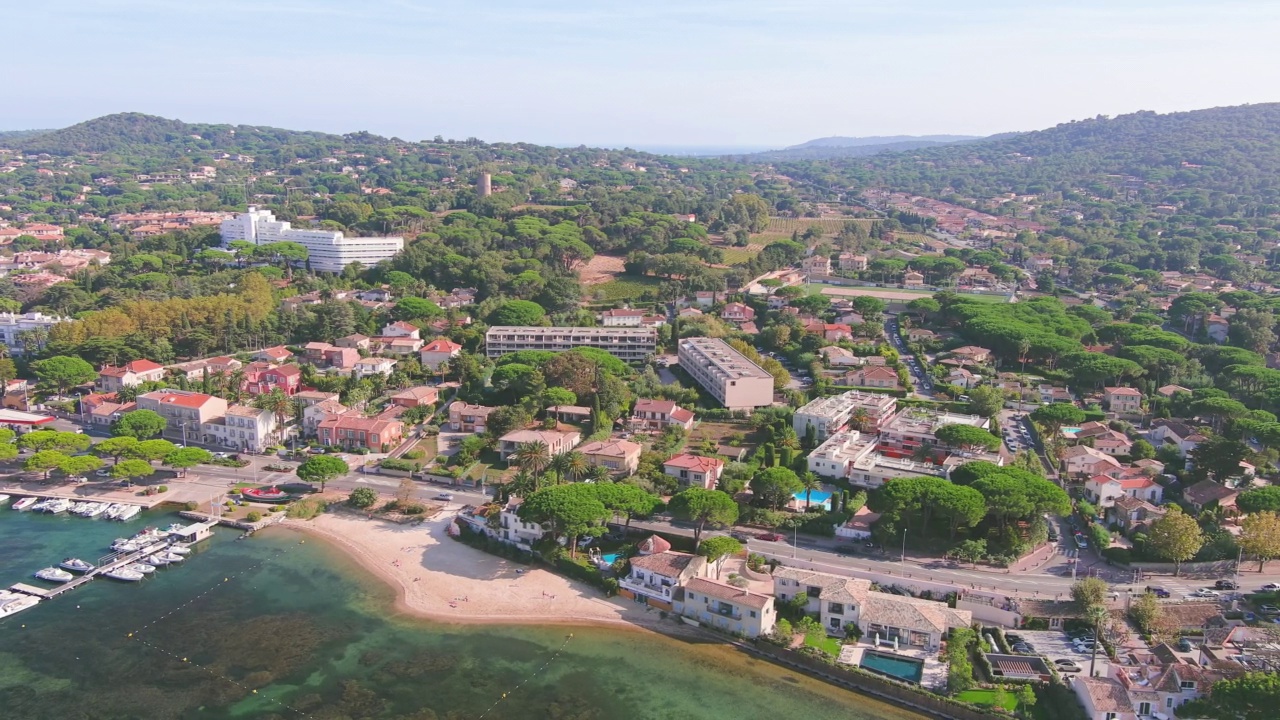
(896, 666)
(610, 557)
(816, 497)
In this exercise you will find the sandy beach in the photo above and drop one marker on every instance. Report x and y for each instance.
(439, 578)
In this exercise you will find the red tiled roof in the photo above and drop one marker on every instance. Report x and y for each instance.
(191, 400)
(443, 345)
(695, 462)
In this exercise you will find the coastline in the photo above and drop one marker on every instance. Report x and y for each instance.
(439, 579)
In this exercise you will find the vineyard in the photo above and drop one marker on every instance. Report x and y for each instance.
(829, 225)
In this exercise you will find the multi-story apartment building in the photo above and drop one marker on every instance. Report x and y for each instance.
(12, 325)
(352, 431)
(328, 250)
(185, 411)
(914, 427)
(726, 607)
(730, 377)
(834, 414)
(632, 344)
(242, 428)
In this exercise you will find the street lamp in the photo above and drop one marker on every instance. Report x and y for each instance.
(904, 549)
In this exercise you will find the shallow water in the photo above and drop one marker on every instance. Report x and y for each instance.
(314, 636)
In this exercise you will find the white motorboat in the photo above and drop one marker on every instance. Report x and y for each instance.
(175, 528)
(143, 568)
(167, 557)
(76, 565)
(124, 574)
(151, 536)
(128, 512)
(53, 574)
(125, 545)
(179, 549)
(4, 499)
(25, 503)
(40, 506)
(14, 603)
(113, 511)
(57, 505)
(77, 508)
(158, 560)
(96, 509)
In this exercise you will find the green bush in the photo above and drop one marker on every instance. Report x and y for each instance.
(190, 505)
(275, 508)
(414, 455)
(1118, 555)
(253, 516)
(397, 464)
(163, 489)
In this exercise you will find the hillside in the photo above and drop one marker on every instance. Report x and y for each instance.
(841, 147)
(841, 141)
(142, 135)
(13, 136)
(1233, 150)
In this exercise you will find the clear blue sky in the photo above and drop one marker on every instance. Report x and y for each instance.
(647, 72)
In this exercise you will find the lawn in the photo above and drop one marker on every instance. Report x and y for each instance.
(628, 288)
(988, 698)
(828, 645)
(738, 255)
(829, 225)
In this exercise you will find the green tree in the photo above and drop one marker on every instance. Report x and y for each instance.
(44, 461)
(571, 510)
(1176, 537)
(66, 442)
(1142, 450)
(702, 506)
(1218, 457)
(960, 506)
(518, 312)
(1146, 612)
(717, 548)
(276, 402)
(362, 498)
(115, 447)
(1026, 700)
(1252, 696)
(140, 424)
(775, 487)
(62, 372)
(321, 469)
(985, 400)
(79, 465)
(532, 457)
(152, 450)
(1056, 416)
(1263, 499)
(1260, 536)
(1089, 592)
(415, 308)
(971, 551)
(967, 437)
(127, 470)
(184, 458)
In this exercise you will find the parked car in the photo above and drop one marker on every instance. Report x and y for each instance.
(1270, 586)
(1269, 609)
(1206, 593)
(1081, 542)
(103, 473)
(740, 536)
(1063, 665)
(1226, 585)
(1158, 592)
(444, 496)
(769, 537)
(1185, 645)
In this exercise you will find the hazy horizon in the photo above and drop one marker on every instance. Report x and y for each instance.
(694, 74)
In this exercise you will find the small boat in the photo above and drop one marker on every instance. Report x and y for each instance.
(25, 503)
(77, 508)
(113, 511)
(40, 506)
(167, 557)
(158, 560)
(179, 549)
(143, 568)
(96, 510)
(151, 536)
(125, 545)
(53, 574)
(4, 499)
(14, 603)
(128, 512)
(175, 528)
(76, 565)
(124, 574)
(57, 505)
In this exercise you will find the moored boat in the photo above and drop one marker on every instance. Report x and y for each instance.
(113, 511)
(57, 505)
(96, 509)
(14, 603)
(53, 574)
(4, 499)
(179, 549)
(124, 574)
(76, 565)
(25, 503)
(128, 512)
(167, 557)
(143, 568)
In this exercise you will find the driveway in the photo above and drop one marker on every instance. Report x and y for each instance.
(1055, 645)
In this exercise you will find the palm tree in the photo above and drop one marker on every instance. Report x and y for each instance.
(276, 402)
(1096, 615)
(1024, 347)
(811, 483)
(859, 419)
(520, 485)
(532, 457)
(235, 385)
(577, 466)
(560, 466)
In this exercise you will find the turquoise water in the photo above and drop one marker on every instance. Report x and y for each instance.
(903, 668)
(816, 497)
(610, 557)
(316, 638)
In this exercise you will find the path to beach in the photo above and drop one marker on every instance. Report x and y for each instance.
(442, 579)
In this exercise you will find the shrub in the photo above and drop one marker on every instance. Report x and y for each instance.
(305, 509)
(190, 505)
(362, 498)
(1118, 555)
(397, 464)
(413, 455)
(163, 489)
(253, 516)
(274, 509)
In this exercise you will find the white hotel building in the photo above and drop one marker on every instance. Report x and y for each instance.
(631, 344)
(329, 250)
(735, 381)
(830, 415)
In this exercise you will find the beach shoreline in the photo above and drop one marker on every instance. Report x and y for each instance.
(439, 579)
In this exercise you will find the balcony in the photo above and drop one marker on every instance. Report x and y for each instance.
(725, 611)
(637, 585)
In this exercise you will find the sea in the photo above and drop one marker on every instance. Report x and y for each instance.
(279, 625)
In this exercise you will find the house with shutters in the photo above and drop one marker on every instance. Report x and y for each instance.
(658, 415)
(131, 374)
(695, 470)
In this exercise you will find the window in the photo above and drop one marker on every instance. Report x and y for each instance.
(835, 608)
(1168, 702)
(753, 613)
(1144, 708)
(1187, 685)
(1109, 716)
(813, 592)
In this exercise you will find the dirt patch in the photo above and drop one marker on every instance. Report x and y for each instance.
(600, 269)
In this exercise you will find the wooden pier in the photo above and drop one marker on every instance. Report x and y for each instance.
(111, 562)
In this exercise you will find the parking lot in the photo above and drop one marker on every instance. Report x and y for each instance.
(1016, 436)
(1055, 645)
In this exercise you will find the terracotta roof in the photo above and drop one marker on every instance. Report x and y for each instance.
(655, 406)
(244, 411)
(353, 421)
(1207, 491)
(668, 563)
(611, 448)
(416, 393)
(442, 345)
(695, 462)
(727, 593)
(912, 613)
(654, 544)
(1106, 695)
(136, 366)
(191, 400)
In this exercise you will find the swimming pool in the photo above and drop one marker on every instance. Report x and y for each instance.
(896, 666)
(816, 497)
(610, 557)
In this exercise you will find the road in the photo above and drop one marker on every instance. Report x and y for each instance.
(923, 383)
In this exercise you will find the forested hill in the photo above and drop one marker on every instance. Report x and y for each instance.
(12, 136)
(1231, 150)
(824, 148)
(140, 135)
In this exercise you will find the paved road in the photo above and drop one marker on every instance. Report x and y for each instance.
(923, 383)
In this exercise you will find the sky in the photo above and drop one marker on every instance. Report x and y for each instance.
(669, 73)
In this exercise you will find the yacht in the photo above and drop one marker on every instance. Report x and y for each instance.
(113, 511)
(143, 568)
(167, 557)
(40, 506)
(57, 505)
(125, 545)
(96, 509)
(25, 503)
(150, 536)
(128, 512)
(124, 574)
(76, 565)
(175, 528)
(77, 508)
(14, 603)
(53, 574)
